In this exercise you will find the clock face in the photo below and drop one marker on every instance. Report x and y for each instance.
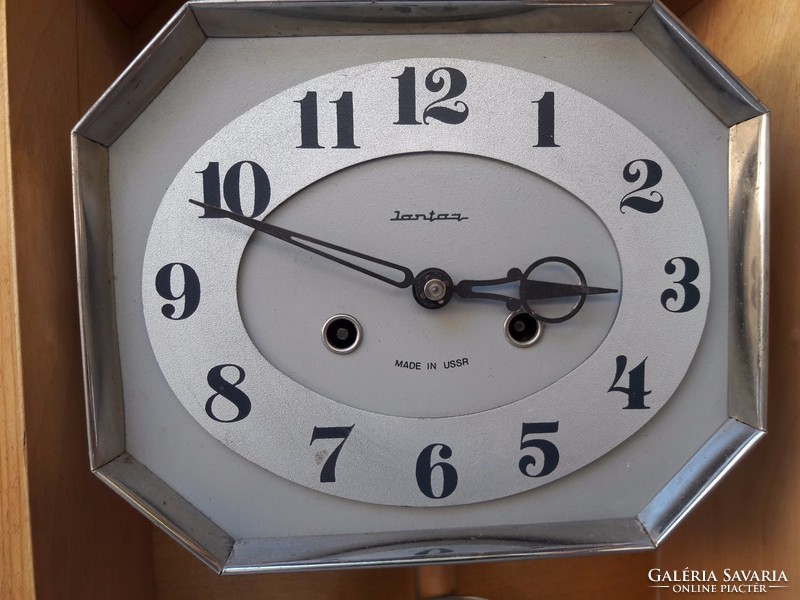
(558, 289)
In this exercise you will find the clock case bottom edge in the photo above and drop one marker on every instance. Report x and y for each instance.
(224, 554)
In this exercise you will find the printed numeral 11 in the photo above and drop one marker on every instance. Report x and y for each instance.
(309, 124)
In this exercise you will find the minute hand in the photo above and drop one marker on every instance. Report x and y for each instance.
(314, 245)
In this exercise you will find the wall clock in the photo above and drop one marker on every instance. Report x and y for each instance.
(391, 283)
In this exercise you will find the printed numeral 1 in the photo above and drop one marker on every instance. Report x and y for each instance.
(546, 121)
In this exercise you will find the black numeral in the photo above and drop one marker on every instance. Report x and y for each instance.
(231, 188)
(190, 290)
(650, 171)
(227, 390)
(328, 473)
(435, 81)
(691, 295)
(635, 390)
(407, 97)
(546, 121)
(425, 471)
(548, 449)
(309, 123)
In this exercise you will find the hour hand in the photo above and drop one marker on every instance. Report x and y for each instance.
(319, 247)
(533, 289)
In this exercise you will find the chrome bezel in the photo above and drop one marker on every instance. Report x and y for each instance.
(746, 118)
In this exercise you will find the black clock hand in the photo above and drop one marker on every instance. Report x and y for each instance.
(532, 289)
(541, 290)
(309, 243)
(433, 288)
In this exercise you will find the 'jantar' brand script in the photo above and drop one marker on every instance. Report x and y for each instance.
(431, 216)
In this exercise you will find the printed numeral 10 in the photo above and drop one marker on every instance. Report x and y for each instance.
(231, 185)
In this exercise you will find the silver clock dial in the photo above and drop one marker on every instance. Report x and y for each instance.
(371, 157)
(415, 362)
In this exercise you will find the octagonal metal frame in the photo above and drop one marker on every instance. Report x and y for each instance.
(721, 92)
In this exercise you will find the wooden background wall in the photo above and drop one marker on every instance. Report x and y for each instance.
(64, 535)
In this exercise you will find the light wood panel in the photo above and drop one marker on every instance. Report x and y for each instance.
(16, 554)
(752, 521)
(86, 543)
